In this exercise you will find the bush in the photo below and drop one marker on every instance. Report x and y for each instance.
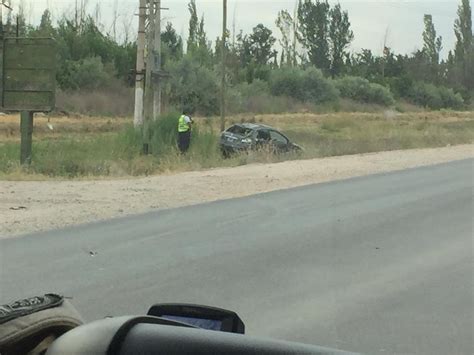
(450, 98)
(307, 85)
(400, 86)
(360, 89)
(241, 97)
(428, 95)
(193, 87)
(88, 74)
(257, 87)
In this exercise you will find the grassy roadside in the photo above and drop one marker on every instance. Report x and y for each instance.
(98, 147)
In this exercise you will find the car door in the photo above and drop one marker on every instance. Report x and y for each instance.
(262, 138)
(279, 141)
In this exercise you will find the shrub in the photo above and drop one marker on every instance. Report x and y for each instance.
(257, 87)
(307, 85)
(428, 95)
(287, 82)
(240, 97)
(89, 74)
(450, 98)
(400, 86)
(360, 89)
(193, 87)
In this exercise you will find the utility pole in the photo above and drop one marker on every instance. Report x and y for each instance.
(76, 18)
(233, 25)
(224, 35)
(150, 49)
(139, 77)
(157, 63)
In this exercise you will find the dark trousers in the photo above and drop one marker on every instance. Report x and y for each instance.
(184, 139)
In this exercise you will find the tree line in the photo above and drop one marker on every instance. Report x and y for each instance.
(312, 61)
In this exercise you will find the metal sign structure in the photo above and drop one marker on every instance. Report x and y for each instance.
(29, 74)
(27, 82)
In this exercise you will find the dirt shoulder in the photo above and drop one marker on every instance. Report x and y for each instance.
(33, 206)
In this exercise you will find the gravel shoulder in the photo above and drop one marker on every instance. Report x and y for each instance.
(33, 206)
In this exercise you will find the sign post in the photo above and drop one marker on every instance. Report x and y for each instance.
(26, 127)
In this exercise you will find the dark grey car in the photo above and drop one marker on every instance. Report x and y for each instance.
(249, 136)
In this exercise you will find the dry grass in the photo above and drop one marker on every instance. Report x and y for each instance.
(91, 147)
(55, 126)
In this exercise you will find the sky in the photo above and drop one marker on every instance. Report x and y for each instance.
(402, 20)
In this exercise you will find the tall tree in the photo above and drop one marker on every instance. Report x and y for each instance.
(463, 30)
(261, 44)
(172, 44)
(21, 20)
(432, 45)
(46, 28)
(193, 27)
(340, 36)
(198, 45)
(201, 34)
(463, 52)
(284, 23)
(313, 20)
(243, 49)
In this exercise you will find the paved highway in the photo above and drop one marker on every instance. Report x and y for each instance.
(379, 264)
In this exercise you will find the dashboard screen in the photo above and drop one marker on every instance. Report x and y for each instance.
(210, 324)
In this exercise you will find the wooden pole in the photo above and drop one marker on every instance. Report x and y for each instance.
(139, 77)
(26, 128)
(224, 36)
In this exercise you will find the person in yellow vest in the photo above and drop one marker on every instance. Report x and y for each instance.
(184, 132)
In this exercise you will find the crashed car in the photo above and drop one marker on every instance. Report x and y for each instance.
(249, 136)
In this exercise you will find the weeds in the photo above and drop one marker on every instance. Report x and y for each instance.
(74, 155)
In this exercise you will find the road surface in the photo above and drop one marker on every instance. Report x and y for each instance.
(379, 264)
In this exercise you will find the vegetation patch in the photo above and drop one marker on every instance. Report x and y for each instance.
(93, 153)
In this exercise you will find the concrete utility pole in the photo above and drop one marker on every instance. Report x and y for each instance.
(224, 35)
(150, 49)
(157, 63)
(139, 77)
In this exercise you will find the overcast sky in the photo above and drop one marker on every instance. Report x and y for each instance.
(403, 19)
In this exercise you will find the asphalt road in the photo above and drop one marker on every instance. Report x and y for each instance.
(380, 264)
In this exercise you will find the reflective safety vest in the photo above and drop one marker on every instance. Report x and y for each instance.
(183, 126)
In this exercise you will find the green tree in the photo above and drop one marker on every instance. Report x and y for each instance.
(285, 24)
(432, 45)
(193, 86)
(198, 45)
(193, 27)
(261, 44)
(340, 36)
(313, 20)
(463, 52)
(172, 44)
(46, 27)
(244, 49)
(22, 27)
(201, 34)
(364, 64)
